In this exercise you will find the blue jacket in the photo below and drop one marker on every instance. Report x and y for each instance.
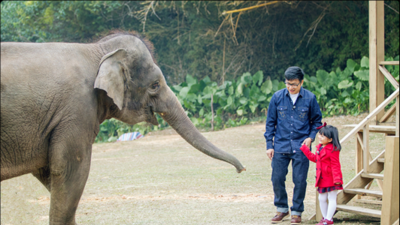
(289, 125)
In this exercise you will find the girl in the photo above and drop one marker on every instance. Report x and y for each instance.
(328, 175)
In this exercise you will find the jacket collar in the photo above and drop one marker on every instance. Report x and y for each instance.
(324, 150)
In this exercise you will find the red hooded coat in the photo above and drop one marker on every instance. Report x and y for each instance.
(328, 165)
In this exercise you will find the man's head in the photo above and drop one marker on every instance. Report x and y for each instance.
(294, 79)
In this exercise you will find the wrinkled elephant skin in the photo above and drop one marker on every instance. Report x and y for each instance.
(54, 96)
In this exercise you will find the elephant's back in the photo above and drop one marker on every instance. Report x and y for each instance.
(41, 85)
(38, 71)
(39, 80)
(45, 61)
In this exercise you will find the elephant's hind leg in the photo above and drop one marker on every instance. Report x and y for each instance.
(43, 175)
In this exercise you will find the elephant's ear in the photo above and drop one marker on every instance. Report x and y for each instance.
(111, 76)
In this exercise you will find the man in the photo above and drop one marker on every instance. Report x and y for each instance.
(292, 119)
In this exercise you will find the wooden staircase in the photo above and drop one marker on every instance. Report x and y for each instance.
(385, 167)
(357, 186)
(373, 169)
(388, 158)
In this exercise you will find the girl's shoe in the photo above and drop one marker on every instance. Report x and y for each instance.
(321, 222)
(327, 222)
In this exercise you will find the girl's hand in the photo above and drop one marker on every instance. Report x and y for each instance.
(337, 183)
(304, 147)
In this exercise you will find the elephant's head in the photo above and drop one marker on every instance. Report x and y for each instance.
(138, 88)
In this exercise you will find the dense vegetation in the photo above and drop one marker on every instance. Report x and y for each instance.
(238, 102)
(237, 58)
(194, 37)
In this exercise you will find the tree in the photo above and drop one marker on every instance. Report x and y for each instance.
(197, 38)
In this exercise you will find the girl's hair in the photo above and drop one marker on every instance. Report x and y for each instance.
(331, 132)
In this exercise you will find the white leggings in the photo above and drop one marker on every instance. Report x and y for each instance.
(328, 210)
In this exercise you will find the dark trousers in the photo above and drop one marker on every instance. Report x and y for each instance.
(300, 165)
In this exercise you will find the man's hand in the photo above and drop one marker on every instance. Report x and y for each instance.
(307, 142)
(270, 153)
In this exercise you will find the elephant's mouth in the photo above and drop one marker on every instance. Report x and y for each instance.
(150, 117)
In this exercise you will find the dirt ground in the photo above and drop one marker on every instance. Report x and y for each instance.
(161, 179)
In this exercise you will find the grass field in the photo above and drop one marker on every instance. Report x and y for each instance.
(161, 179)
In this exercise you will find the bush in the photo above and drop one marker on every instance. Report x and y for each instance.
(246, 99)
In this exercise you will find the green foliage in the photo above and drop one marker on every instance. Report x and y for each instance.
(347, 91)
(233, 102)
(195, 38)
(69, 21)
(247, 98)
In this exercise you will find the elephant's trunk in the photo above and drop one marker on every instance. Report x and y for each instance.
(178, 120)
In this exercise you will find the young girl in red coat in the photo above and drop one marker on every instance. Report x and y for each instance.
(329, 175)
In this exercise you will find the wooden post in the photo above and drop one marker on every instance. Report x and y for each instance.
(376, 55)
(390, 199)
(359, 152)
(397, 116)
(359, 155)
(365, 148)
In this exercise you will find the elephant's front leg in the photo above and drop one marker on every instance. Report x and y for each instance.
(69, 168)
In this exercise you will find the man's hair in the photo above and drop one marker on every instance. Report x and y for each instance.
(294, 72)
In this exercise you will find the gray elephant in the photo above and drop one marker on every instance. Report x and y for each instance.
(54, 96)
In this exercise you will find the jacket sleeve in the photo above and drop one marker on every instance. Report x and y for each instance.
(270, 125)
(336, 168)
(315, 118)
(310, 156)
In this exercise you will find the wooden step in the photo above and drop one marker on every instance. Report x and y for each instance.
(377, 128)
(372, 175)
(368, 201)
(359, 191)
(381, 160)
(359, 210)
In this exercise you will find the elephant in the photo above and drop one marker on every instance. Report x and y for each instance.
(55, 95)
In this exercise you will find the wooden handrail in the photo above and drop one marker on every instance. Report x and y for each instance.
(392, 63)
(388, 114)
(371, 115)
(389, 76)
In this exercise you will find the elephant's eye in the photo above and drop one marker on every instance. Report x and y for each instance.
(155, 85)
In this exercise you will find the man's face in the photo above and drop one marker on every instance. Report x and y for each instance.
(293, 86)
